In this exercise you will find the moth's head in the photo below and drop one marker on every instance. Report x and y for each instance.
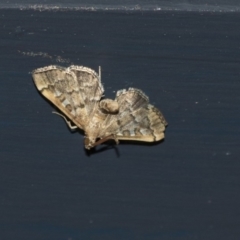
(89, 143)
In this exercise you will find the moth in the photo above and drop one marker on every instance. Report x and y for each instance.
(77, 92)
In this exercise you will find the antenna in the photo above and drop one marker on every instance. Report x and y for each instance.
(99, 72)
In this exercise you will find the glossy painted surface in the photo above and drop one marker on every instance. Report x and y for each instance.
(186, 187)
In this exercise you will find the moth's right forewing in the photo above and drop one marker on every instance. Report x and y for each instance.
(59, 86)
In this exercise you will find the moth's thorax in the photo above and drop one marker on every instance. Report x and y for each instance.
(95, 124)
(93, 128)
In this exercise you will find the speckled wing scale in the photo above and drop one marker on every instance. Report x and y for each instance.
(140, 120)
(77, 91)
(137, 119)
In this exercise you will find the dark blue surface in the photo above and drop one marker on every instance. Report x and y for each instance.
(186, 187)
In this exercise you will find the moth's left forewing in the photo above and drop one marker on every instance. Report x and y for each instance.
(148, 124)
(137, 119)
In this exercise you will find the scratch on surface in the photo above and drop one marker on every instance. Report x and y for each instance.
(55, 58)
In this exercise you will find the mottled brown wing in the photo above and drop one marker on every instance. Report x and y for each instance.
(75, 90)
(137, 119)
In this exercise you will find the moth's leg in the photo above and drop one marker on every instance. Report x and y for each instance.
(100, 141)
(115, 139)
(68, 122)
